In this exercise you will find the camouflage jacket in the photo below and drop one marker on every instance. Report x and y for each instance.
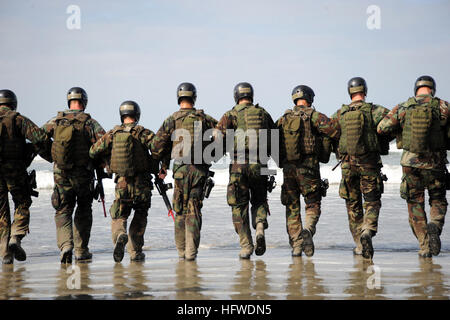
(30, 131)
(161, 147)
(94, 131)
(229, 121)
(393, 123)
(102, 148)
(372, 159)
(322, 125)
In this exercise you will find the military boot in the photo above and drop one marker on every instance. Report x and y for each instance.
(434, 240)
(307, 243)
(16, 249)
(139, 257)
(66, 256)
(260, 239)
(84, 257)
(119, 248)
(8, 259)
(366, 242)
(297, 251)
(246, 252)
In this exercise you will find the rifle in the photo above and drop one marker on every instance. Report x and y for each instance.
(340, 161)
(162, 189)
(324, 185)
(99, 191)
(209, 184)
(32, 185)
(271, 184)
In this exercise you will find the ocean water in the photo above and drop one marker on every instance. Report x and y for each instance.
(217, 229)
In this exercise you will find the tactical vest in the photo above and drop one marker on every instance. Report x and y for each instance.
(421, 129)
(12, 144)
(71, 145)
(192, 122)
(358, 133)
(249, 120)
(129, 156)
(299, 138)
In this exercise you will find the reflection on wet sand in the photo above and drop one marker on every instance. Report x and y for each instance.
(365, 280)
(428, 282)
(188, 281)
(12, 283)
(303, 281)
(251, 282)
(130, 282)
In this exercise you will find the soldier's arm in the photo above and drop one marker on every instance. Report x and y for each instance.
(37, 136)
(31, 131)
(49, 127)
(161, 143)
(101, 146)
(95, 130)
(325, 125)
(444, 106)
(390, 124)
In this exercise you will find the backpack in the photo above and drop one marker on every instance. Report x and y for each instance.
(128, 155)
(70, 145)
(421, 131)
(298, 136)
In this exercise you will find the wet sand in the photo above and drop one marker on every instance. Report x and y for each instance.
(220, 274)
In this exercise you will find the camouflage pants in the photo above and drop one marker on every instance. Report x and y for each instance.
(189, 181)
(73, 188)
(412, 189)
(358, 182)
(300, 181)
(131, 193)
(247, 185)
(15, 182)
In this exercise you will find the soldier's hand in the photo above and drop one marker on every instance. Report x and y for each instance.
(162, 174)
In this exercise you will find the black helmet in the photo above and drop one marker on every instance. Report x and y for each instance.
(130, 108)
(186, 90)
(243, 90)
(425, 81)
(77, 93)
(356, 85)
(303, 92)
(8, 98)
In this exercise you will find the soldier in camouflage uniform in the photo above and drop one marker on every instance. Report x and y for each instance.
(190, 168)
(422, 128)
(73, 132)
(359, 150)
(126, 148)
(305, 141)
(247, 183)
(15, 157)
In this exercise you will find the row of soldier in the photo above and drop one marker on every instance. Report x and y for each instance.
(359, 133)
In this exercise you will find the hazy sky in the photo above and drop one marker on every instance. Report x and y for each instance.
(142, 50)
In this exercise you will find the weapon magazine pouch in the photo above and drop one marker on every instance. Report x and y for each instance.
(178, 199)
(354, 122)
(325, 149)
(62, 148)
(383, 142)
